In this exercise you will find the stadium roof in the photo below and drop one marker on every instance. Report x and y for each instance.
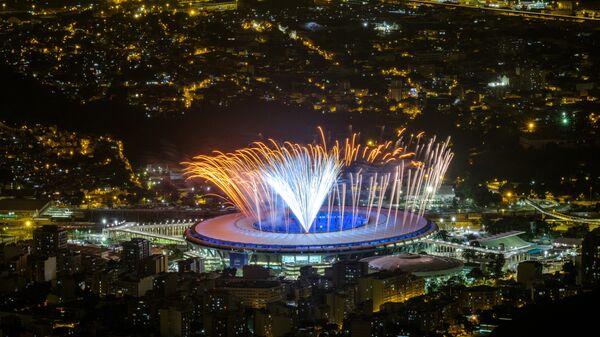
(504, 241)
(235, 231)
(420, 265)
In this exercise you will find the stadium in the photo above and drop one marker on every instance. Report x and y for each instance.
(314, 205)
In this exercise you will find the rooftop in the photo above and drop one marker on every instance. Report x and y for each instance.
(236, 230)
(507, 241)
(420, 265)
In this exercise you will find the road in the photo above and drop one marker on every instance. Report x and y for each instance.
(513, 12)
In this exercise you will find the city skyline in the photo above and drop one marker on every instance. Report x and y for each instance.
(299, 168)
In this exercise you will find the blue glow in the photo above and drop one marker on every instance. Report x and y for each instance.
(323, 223)
(206, 241)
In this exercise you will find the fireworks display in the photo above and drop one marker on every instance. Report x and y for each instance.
(324, 187)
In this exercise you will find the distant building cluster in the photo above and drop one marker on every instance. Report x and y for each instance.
(166, 58)
(350, 298)
(53, 164)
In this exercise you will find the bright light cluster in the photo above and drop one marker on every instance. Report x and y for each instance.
(273, 181)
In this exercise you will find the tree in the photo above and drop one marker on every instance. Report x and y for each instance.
(577, 231)
(476, 274)
(478, 192)
(443, 235)
(516, 223)
(469, 254)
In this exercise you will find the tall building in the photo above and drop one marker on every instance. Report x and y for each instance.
(275, 321)
(254, 293)
(344, 273)
(134, 253)
(69, 262)
(480, 298)
(176, 322)
(42, 269)
(224, 316)
(529, 273)
(165, 284)
(225, 324)
(384, 287)
(156, 264)
(397, 90)
(340, 306)
(192, 264)
(590, 257)
(141, 314)
(133, 285)
(529, 78)
(49, 239)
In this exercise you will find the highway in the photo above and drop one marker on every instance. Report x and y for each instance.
(512, 12)
(561, 216)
